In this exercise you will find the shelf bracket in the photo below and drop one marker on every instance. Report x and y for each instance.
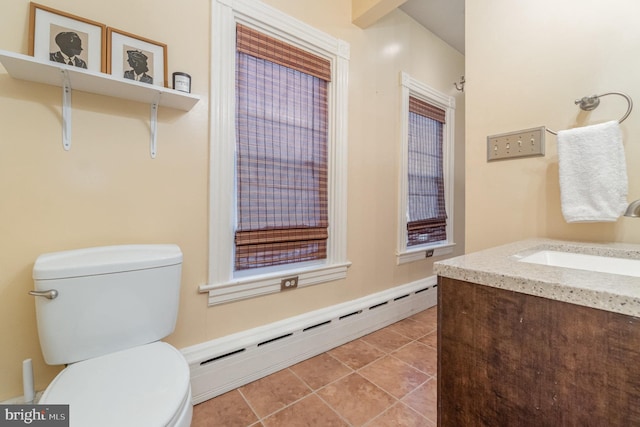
(66, 110)
(154, 124)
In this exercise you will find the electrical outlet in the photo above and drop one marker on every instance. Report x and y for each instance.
(524, 143)
(289, 283)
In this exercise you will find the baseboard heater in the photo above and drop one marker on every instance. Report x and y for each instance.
(232, 361)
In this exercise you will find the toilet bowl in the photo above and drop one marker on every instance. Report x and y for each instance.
(143, 386)
(110, 308)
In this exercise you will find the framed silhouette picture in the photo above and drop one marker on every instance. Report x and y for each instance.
(67, 39)
(136, 58)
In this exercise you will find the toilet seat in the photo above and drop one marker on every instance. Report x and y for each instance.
(142, 386)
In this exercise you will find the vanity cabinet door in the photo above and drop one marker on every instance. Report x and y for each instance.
(511, 359)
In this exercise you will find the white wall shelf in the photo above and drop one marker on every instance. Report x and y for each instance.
(69, 78)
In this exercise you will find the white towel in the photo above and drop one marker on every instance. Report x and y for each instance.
(593, 173)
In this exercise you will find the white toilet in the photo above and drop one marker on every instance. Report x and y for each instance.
(103, 311)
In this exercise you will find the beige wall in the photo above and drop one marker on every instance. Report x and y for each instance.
(368, 12)
(526, 62)
(107, 190)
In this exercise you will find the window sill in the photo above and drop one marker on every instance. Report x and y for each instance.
(420, 253)
(254, 286)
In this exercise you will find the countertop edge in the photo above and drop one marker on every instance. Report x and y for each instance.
(499, 267)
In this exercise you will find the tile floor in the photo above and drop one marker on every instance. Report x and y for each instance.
(386, 378)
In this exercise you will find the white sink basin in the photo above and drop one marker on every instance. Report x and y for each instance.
(602, 264)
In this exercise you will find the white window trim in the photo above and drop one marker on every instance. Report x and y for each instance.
(413, 87)
(222, 286)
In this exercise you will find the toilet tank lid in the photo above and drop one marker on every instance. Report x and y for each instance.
(104, 260)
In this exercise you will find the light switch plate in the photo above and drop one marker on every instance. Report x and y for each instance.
(512, 145)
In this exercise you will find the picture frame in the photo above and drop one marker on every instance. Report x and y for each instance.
(68, 39)
(136, 58)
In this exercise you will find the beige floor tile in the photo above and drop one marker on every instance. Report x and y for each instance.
(356, 399)
(430, 339)
(420, 356)
(411, 328)
(311, 411)
(274, 392)
(320, 370)
(229, 410)
(357, 354)
(394, 376)
(402, 416)
(386, 340)
(424, 400)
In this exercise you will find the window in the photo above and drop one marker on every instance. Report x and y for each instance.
(426, 211)
(277, 156)
(426, 186)
(281, 143)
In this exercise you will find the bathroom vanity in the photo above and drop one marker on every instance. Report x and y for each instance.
(528, 336)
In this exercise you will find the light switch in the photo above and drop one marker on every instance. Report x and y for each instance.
(523, 143)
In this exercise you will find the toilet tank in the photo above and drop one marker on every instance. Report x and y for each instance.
(109, 299)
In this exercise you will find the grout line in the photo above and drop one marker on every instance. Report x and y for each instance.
(311, 390)
(332, 408)
(314, 392)
(399, 402)
(249, 405)
(285, 407)
(351, 371)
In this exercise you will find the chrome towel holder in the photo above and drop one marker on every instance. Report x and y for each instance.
(589, 103)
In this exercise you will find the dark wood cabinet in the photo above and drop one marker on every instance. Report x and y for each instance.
(510, 359)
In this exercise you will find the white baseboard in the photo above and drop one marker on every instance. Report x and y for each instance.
(229, 362)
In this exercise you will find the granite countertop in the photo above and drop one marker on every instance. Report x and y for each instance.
(499, 267)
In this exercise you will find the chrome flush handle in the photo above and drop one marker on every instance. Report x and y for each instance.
(50, 294)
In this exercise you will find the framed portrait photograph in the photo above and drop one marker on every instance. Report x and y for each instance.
(67, 39)
(136, 58)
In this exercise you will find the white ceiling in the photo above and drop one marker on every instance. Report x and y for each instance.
(444, 18)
